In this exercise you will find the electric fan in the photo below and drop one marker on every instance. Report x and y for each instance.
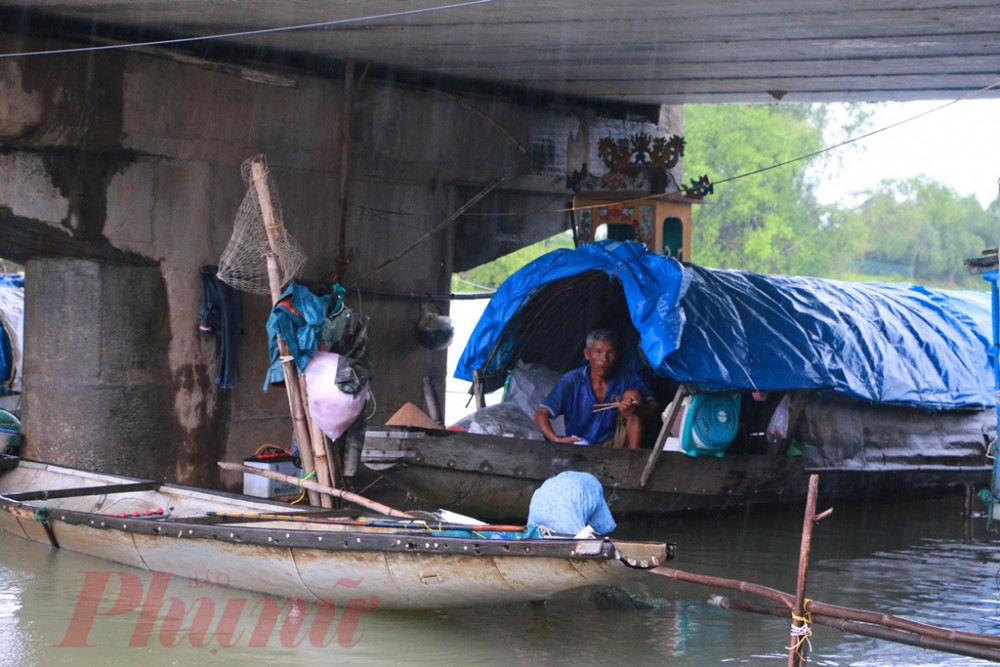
(710, 424)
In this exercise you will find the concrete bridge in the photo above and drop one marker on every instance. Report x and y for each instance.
(120, 173)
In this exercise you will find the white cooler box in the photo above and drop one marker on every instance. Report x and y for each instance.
(254, 485)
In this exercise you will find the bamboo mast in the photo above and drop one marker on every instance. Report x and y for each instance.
(295, 402)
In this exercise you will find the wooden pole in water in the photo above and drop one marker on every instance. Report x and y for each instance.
(932, 642)
(786, 600)
(799, 645)
(846, 619)
(259, 172)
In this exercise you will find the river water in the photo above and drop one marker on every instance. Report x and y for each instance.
(922, 561)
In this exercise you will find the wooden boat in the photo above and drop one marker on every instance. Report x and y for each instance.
(493, 476)
(884, 390)
(262, 546)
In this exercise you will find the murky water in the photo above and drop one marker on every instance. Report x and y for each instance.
(921, 561)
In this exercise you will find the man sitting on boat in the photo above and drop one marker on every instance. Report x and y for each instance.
(602, 403)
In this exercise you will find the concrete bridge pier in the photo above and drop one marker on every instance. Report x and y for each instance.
(97, 350)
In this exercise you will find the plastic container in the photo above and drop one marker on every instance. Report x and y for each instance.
(262, 487)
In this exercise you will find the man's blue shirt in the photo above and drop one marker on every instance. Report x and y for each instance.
(573, 397)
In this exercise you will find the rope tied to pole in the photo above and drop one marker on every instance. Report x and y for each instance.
(801, 633)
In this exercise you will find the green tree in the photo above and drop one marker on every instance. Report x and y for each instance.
(761, 218)
(926, 229)
(765, 217)
(490, 275)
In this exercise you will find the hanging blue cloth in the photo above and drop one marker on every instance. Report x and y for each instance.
(222, 314)
(298, 318)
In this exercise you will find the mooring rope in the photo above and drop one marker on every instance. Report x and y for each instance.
(802, 633)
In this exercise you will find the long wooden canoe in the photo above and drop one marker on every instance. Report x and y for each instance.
(265, 546)
(494, 477)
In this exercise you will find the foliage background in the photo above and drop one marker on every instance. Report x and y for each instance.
(767, 219)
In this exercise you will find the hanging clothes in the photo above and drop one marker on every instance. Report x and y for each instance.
(345, 332)
(297, 318)
(222, 314)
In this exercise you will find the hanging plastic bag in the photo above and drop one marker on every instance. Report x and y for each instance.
(332, 409)
(777, 427)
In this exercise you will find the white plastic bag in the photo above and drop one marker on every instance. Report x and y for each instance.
(777, 428)
(505, 419)
(332, 409)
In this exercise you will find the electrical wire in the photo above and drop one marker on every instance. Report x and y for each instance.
(863, 136)
(644, 198)
(247, 33)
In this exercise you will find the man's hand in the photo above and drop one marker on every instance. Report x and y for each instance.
(544, 423)
(628, 405)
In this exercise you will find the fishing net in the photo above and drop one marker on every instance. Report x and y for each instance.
(244, 261)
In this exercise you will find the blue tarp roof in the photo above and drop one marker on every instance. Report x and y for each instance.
(730, 330)
(11, 316)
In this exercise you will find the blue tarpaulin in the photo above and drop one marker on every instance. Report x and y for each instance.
(716, 329)
(11, 330)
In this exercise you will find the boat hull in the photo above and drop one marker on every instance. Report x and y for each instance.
(494, 477)
(390, 569)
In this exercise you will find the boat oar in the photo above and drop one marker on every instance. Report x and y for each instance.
(315, 486)
(417, 524)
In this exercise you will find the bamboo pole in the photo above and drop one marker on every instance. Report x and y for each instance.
(798, 647)
(259, 173)
(317, 487)
(661, 438)
(334, 453)
(786, 600)
(946, 645)
(730, 584)
(317, 440)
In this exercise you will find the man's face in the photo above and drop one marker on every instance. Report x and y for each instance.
(601, 355)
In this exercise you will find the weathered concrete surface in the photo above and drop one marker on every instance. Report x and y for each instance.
(120, 179)
(623, 52)
(99, 371)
